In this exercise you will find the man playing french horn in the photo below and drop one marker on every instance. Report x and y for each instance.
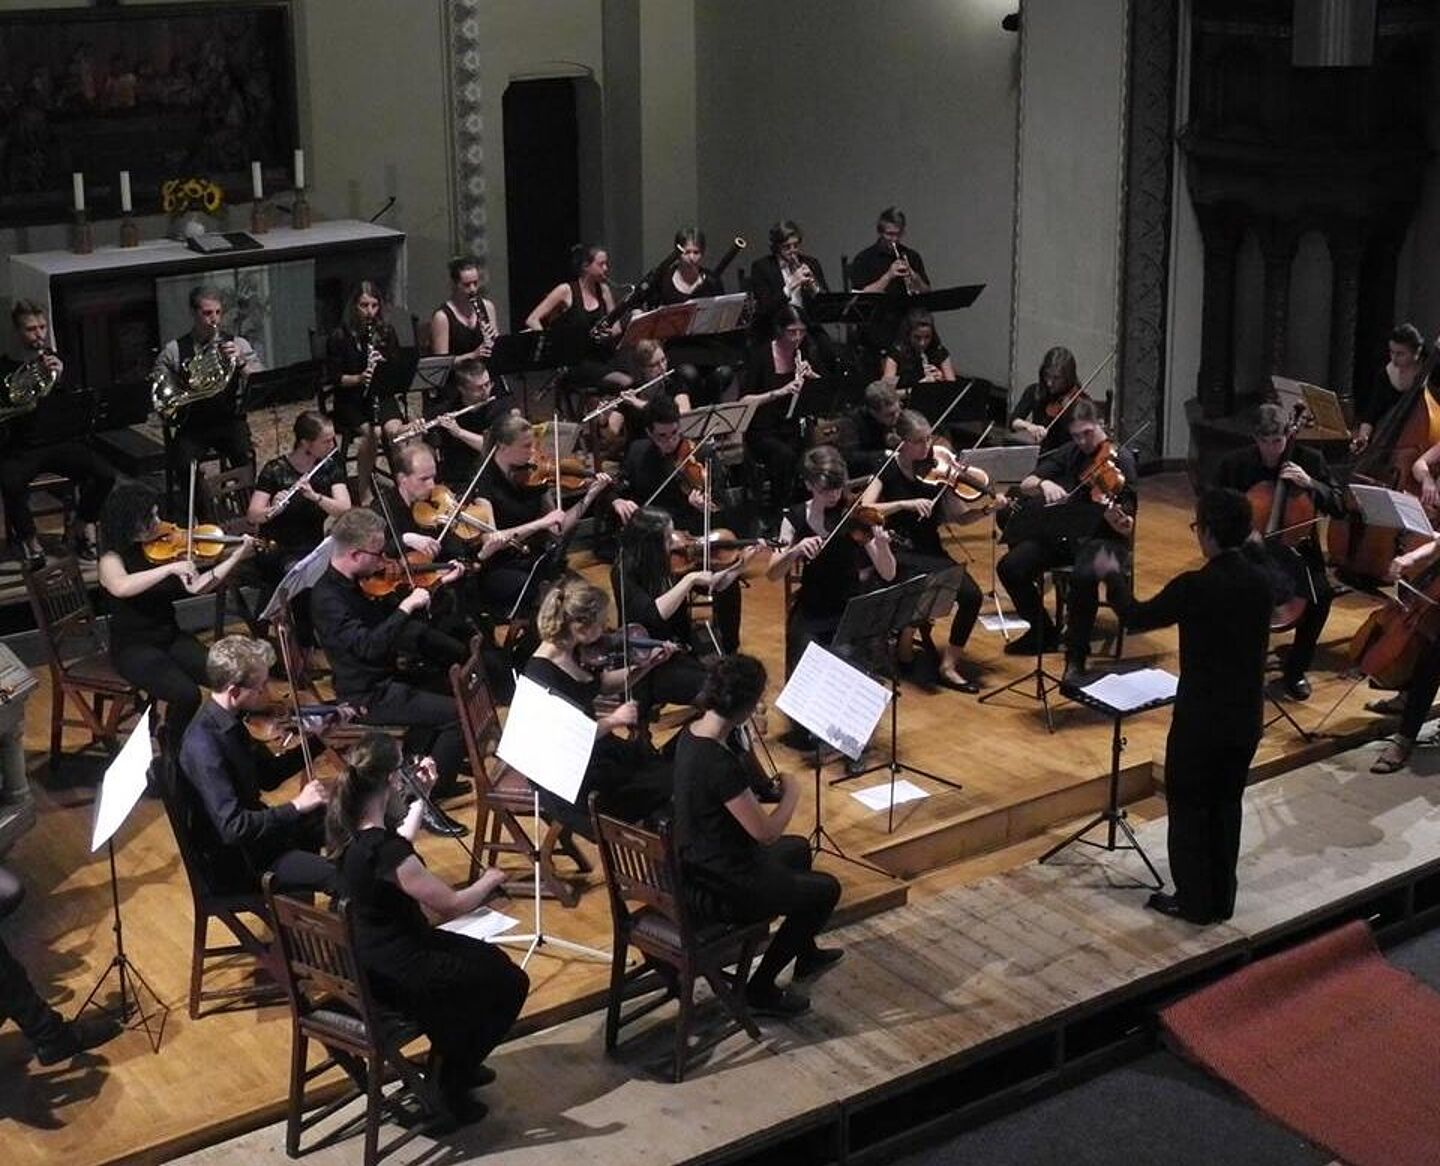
(197, 383)
(36, 439)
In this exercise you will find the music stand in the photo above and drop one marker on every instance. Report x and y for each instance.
(1084, 692)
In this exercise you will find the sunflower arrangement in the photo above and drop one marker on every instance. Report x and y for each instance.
(179, 195)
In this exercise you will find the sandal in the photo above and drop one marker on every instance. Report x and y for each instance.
(1393, 758)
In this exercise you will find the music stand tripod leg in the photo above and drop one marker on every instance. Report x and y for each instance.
(823, 842)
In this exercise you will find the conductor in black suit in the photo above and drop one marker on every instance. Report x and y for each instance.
(1223, 610)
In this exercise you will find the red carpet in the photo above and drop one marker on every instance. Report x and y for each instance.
(1330, 1040)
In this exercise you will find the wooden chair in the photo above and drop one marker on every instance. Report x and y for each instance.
(503, 798)
(1061, 577)
(80, 668)
(220, 894)
(227, 496)
(649, 912)
(330, 1002)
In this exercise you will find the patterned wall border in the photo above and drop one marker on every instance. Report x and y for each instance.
(467, 126)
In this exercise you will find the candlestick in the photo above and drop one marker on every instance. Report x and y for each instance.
(78, 180)
(259, 217)
(300, 214)
(299, 169)
(125, 207)
(257, 185)
(82, 236)
(129, 233)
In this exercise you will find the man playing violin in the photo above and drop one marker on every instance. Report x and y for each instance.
(364, 639)
(223, 771)
(1062, 514)
(1265, 461)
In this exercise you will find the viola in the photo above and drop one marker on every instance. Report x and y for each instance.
(279, 723)
(539, 474)
(609, 651)
(437, 509)
(417, 569)
(688, 550)
(1103, 474)
(207, 541)
(969, 486)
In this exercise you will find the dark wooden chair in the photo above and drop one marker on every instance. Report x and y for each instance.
(330, 1002)
(1061, 577)
(227, 499)
(649, 912)
(81, 675)
(503, 797)
(223, 893)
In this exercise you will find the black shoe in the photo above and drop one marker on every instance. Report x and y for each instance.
(1297, 687)
(34, 557)
(457, 788)
(76, 1036)
(776, 1001)
(796, 737)
(813, 963)
(460, 1110)
(964, 684)
(1170, 905)
(1074, 675)
(85, 550)
(437, 821)
(1029, 643)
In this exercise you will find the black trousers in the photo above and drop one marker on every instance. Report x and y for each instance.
(431, 719)
(297, 864)
(1314, 585)
(968, 597)
(1420, 692)
(74, 459)
(19, 1001)
(172, 672)
(1204, 788)
(783, 884)
(1020, 570)
(190, 443)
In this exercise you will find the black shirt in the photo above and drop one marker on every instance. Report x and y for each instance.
(923, 534)
(1079, 518)
(639, 607)
(391, 931)
(459, 461)
(549, 675)
(359, 634)
(644, 468)
(347, 355)
(514, 505)
(829, 580)
(1031, 407)
(767, 285)
(147, 618)
(710, 839)
(667, 293)
(301, 525)
(910, 369)
(868, 266)
(1242, 468)
(872, 437)
(1382, 398)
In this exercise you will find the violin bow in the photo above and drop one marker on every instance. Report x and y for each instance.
(190, 519)
(282, 633)
(624, 629)
(680, 465)
(1074, 394)
(555, 427)
(390, 525)
(464, 499)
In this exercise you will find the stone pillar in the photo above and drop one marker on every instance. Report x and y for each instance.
(1220, 237)
(1278, 243)
(1347, 250)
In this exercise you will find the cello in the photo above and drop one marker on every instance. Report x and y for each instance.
(1284, 515)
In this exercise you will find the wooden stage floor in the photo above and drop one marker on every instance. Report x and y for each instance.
(226, 1072)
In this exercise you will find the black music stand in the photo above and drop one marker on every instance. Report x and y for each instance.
(874, 621)
(1112, 815)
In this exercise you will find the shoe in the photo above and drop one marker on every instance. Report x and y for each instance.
(34, 556)
(1170, 905)
(1297, 687)
(1390, 706)
(1029, 643)
(777, 1002)
(1074, 675)
(457, 788)
(75, 1036)
(1393, 757)
(85, 550)
(437, 821)
(958, 683)
(813, 963)
(796, 737)
(459, 1110)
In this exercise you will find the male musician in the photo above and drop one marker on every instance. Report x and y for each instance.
(35, 444)
(1060, 519)
(887, 267)
(215, 423)
(875, 427)
(1304, 469)
(785, 276)
(363, 639)
(222, 772)
(1223, 611)
(460, 441)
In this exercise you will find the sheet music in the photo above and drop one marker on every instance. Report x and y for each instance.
(123, 784)
(877, 797)
(718, 314)
(301, 577)
(481, 924)
(1004, 623)
(1392, 509)
(547, 739)
(838, 703)
(1131, 690)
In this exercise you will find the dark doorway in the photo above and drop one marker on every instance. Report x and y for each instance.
(542, 187)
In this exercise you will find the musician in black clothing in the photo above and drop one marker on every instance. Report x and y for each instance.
(1038, 415)
(776, 371)
(913, 511)
(466, 324)
(701, 363)
(460, 441)
(34, 444)
(215, 423)
(363, 639)
(574, 312)
(1223, 610)
(917, 356)
(875, 427)
(1406, 349)
(223, 771)
(786, 277)
(1056, 521)
(887, 267)
(1304, 564)
(362, 361)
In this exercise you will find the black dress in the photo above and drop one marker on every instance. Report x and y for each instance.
(679, 679)
(827, 583)
(463, 993)
(773, 439)
(1032, 407)
(377, 403)
(587, 358)
(296, 531)
(702, 364)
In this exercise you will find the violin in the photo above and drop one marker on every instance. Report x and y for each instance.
(608, 652)
(862, 523)
(967, 486)
(416, 570)
(748, 741)
(437, 509)
(688, 550)
(1055, 406)
(1103, 474)
(539, 474)
(691, 470)
(204, 542)
(280, 723)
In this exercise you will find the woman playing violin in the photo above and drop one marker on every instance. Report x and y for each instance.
(918, 357)
(832, 569)
(914, 512)
(147, 646)
(631, 781)
(362, 362)
(1042, 414)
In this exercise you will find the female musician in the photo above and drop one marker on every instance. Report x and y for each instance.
(742, 867)
(646, 362)
(361, 361)
(629, 779)
(785, 277)
(297, 529)
(147, 646)
(918, 357)
(1414, 702)
(523, 509)
(1038, 415)
(463, 993)
(831, 571)
(648, 592)
(701, 368)
(911, 507)
(775, 371)
(465, 324)
(575, 311)
(1396, 379)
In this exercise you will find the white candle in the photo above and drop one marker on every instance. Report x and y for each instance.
(125, 192)
(299, 169)
(257, 188)
(78, 180)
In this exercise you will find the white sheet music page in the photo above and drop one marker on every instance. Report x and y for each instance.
(547, 739)
(481, 924)
(123, 784)
(838, 703)
(1132, 690)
